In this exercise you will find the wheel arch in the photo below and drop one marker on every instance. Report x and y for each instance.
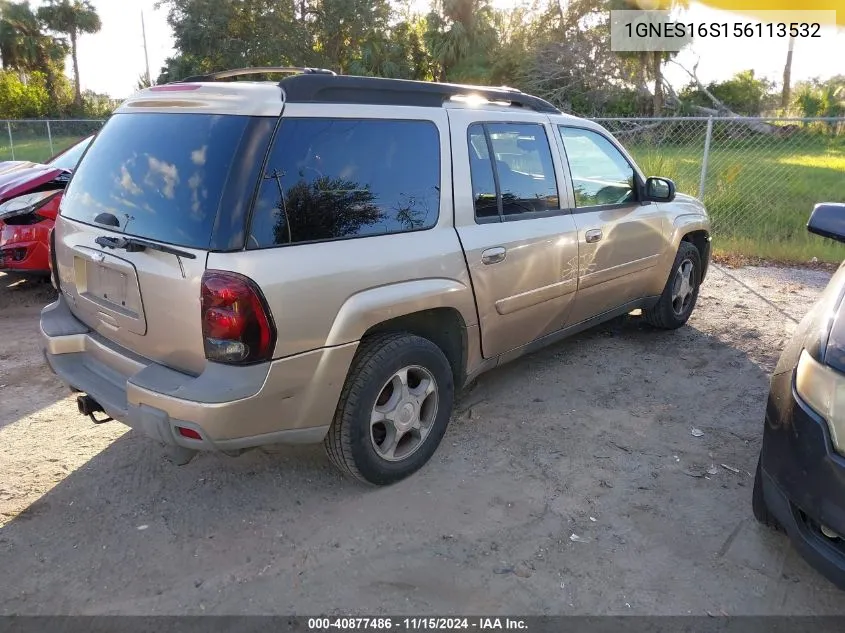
(439, 310)
(695, 229)
(700, 238)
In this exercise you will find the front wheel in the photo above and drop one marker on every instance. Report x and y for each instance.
(393, 410)
(675, 305)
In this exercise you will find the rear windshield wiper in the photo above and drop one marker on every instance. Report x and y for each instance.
(135, 245)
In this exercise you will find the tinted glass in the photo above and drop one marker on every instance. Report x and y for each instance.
(70, 157)
(525, 168)
(160, 175)
(330, 179)
(600, 173)
(481, 170)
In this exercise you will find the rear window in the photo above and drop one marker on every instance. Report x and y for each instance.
(160, 175)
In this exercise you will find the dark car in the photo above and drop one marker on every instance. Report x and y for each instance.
(30, 194)
(800, 482)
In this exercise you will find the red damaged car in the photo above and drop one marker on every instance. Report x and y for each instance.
(30, 194)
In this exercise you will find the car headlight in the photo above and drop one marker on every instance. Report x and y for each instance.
(27, 203)
(823, 389)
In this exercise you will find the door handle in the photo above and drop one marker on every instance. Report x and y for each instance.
(493, 255)
(593, 235)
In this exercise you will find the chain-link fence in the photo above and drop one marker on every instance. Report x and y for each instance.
(758, 177)
(38, 140)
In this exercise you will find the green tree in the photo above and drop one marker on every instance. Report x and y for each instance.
(24, 47)
(570, 63)
(650, 63)
(72, 18)
(817, 98)
(743, 93)
(399, 53)
(461, 38)
(19, 100)
(212, 35)
(344, 28)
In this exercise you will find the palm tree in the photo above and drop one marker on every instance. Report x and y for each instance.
(651, 62)
(456, 30)
(73, 18)
(21, 40)
(787, 76)
(25, 48)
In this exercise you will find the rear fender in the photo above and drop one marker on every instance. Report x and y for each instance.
(368, 308)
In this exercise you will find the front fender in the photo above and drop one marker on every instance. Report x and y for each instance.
(681, 225)
(687, 223)
(368, 308)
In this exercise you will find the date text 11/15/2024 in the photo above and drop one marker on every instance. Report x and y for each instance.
(723, 29)
(415, 624)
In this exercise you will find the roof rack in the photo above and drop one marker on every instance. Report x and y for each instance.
(319, 85)
(331, 88)
(258, 70)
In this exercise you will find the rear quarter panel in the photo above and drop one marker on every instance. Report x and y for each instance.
(329, 293)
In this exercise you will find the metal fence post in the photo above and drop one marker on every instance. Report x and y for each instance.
(11, 144)
(705, 158)
(50, 138)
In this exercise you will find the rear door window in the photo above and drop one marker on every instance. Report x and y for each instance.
(160, 176)
(520, 181)
(331, 179)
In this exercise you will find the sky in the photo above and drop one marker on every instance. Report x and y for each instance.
(112, 60)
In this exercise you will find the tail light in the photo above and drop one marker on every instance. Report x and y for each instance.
(237, 328)
(22, 210)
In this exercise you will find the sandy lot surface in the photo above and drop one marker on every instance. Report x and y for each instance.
(591, 438)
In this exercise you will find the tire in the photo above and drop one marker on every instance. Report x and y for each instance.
(758, 501)
(371, 387)
(665, 313)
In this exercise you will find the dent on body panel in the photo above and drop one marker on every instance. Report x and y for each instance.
(678, 225)
(632, 240)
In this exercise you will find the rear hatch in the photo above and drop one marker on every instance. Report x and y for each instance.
(158, 188)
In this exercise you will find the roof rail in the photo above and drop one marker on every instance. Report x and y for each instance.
(325, 88)
(257, 70)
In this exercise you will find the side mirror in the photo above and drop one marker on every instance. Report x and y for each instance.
(828, 220)
(659, 190)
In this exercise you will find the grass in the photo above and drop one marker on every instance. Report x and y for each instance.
(36, 150)
(760, 191)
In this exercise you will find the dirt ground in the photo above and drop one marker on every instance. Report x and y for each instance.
(569, 482)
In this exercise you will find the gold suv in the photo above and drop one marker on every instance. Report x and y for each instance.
(328, 258)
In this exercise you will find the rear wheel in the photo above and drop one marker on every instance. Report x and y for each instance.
(758, 501)
(393, 410)
(677, 301)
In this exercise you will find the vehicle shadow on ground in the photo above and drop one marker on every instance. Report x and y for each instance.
(596, 426)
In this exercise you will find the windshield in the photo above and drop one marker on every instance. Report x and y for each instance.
(69, 159)
(158, 176)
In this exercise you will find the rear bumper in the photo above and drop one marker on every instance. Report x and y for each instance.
(25, 258)
(291, 400)
(804, 479)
